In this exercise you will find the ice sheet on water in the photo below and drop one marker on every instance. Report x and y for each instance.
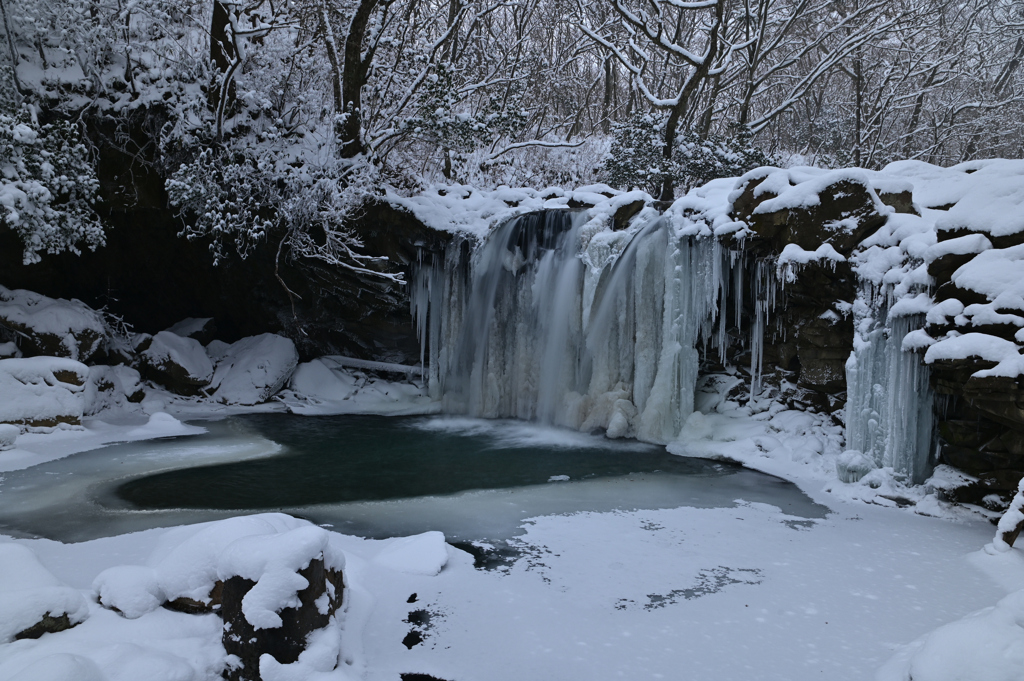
(512, 434)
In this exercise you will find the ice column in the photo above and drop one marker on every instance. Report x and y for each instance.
(889, 400)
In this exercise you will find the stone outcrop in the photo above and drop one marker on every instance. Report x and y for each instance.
(981, 418)
(810, 332)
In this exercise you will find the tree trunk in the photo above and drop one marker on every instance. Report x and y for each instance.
(223, 55)
(353, 78)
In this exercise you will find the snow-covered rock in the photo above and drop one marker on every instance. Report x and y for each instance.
(179, 364)
(267, 549)
(252, 370)
(200, 328)
(317, 381)
(51, 326)
(8, 350)
(42, 392)
(112, 386)
(8, 435)
(273, 579)
(33, 601)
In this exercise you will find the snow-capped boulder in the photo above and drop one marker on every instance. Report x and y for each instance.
(42, 392)
(201, 328)
(316, 381)
(112, 386)
(8, 350)
(252, 370)
(8, 435)
(32, 601)
(179, 364)
(809, 207)
(51, 326)
(272, 578)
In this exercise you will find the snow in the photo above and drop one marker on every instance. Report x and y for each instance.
(328, 386)
(253, 369)
(1006, 354)
(78, 329)
(167, 349)
(190, 326)
(110, 387)
(42, 390)
(1011, 520)
(684, 582)
(28, 592)
(8, 436)
(988, 644)
(424, 554)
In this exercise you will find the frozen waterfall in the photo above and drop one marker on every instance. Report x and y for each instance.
(889, 420)
(527, 326)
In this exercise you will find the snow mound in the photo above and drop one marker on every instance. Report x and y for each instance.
(252, 370)
(28, 592)
(421, 554)
(42, 391)
(8, 435)
(62, 328)
(268, 549)
(988, 644)
(315, 380)
(61, 667)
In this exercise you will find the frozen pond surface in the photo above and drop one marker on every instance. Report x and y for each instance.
(640, 566)
(371, 476)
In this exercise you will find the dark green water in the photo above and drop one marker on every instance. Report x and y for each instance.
(330, 460)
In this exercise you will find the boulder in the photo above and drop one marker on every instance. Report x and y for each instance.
(840, 208)
(32, 601)
(8, 436)
(272, 579)
(51, 326)
(112, 386)
(252, 370)
(42, 392)
(202, 329)
(315, 604)
(179, 364)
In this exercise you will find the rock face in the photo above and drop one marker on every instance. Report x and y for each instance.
(811, 333)
(336, 312)
(42, 392)
(56, 328)
(317, 603)
(978, 268)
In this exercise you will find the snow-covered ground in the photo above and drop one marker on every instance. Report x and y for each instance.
(735, 592)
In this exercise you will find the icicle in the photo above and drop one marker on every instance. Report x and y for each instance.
(511, 339)
(889, 401)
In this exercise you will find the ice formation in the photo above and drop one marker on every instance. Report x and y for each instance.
(532, 326)
(889, 400)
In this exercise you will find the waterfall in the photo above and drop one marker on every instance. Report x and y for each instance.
(527, 327)
(889, 420)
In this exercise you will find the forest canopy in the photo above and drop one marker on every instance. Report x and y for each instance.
(285, 117)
